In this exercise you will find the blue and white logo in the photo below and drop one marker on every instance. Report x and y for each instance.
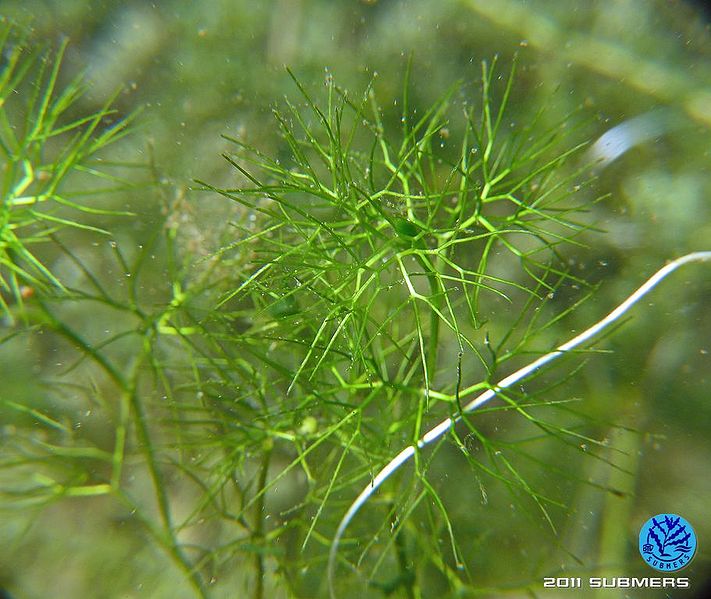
(667, 542)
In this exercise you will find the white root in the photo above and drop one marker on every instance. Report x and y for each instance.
(480, 400)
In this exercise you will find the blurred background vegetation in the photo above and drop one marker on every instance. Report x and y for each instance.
(197, 70)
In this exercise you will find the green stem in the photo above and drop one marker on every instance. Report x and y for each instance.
(258, 534)
(407, 576)
(437, 293)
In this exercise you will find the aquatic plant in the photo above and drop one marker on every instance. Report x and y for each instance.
(500, 389)
(382, 273)
(41, 144)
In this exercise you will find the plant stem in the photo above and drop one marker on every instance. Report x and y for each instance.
(437, 293)
(407, 576)
(258, 534)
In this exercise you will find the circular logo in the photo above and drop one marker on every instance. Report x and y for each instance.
(667, 542)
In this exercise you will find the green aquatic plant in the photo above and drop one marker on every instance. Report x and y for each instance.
(499, 389)
(364, 309)
(52, 156)
(367, 276)
(42, 143)
(384, 268)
